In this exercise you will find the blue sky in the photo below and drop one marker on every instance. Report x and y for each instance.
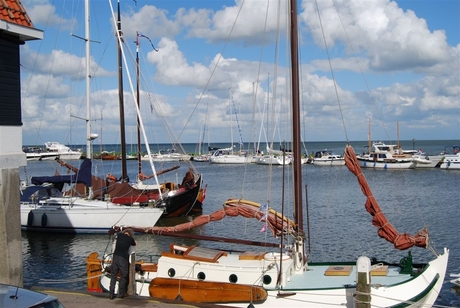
(392, 62)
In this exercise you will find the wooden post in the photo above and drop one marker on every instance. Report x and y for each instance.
(363, 285)
(132, 275)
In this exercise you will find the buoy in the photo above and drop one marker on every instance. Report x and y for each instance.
(30, 219)
(44, 220)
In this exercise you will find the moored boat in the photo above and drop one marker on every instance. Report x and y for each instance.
(327, 158)
(451, 160)
(383, 156)
(285, 273)
(63, 151)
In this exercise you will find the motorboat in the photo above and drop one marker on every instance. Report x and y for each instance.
(383, 156)
(37, 153)
(327, 158)
(63, 151)
(451, 160)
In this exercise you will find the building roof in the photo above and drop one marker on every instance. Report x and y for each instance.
(13, 11)
(15, 22)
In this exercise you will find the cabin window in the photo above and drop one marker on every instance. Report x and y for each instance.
(267, 279)
(171, 272)
(201, 276)
(233, 278)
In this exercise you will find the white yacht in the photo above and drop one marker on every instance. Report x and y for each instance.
(63, 151)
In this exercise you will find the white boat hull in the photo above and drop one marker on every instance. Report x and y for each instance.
(451, 162)
(64, 152)
(273, 160)
(310, 288)
(229, 159)
(369, 163)
(79, 215)
(328, 162)
(422, 161)
(70, 156)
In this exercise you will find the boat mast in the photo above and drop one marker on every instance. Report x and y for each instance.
(139, 162)
(124, 171)
(297, 166)
(88, 83)
(369, 137)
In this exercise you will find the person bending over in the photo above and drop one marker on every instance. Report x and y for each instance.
(120, 262)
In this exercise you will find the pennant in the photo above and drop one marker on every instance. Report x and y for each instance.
(263, 207)
(264, 228)
(263, 218)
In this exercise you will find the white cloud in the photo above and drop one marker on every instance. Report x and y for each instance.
(392, 39)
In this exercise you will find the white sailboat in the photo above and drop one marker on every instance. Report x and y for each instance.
(230, 155)
(45, 208)
(285, 277)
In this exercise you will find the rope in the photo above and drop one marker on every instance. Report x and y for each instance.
(48, 281)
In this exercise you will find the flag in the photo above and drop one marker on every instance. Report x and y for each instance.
(264, 228)
(263, 218)
(263, 207)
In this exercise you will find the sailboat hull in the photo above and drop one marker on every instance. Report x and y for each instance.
(204, 291)
(177, 202)
(320, 285)
(181, 202)
(78, 215)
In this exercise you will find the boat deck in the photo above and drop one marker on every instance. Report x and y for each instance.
(317, 277)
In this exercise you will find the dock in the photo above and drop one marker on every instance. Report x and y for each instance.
(78, 299)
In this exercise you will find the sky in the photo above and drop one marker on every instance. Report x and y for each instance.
(218, 71)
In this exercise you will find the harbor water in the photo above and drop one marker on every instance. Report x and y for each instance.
(337, 225)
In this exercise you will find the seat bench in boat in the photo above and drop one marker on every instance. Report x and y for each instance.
(194, 253)
(346, 270)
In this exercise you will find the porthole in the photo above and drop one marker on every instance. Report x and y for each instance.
(233, 278)
(201, 276)
(267, 279)
(171, 272)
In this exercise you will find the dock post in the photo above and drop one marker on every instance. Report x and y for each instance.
(363, 283)
(132, 274)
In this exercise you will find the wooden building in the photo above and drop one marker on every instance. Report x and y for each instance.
(15, 29)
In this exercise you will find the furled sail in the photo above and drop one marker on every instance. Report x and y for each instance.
(232, 207)
(386, 229)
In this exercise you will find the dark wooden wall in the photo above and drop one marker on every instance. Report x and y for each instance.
(10, 84)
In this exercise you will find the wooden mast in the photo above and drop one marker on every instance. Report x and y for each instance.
(295, 101)
(124, 170)
(297, 166)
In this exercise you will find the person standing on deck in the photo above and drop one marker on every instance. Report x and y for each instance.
(120, 263)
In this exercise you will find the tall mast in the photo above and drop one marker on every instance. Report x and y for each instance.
(297, 166)
(88, 83)
(139, 106)
(369, 137)
(124, 171)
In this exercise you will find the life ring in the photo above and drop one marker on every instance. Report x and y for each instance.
(30, 218)
(274, 256)
(44, 220)
(110, 177)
